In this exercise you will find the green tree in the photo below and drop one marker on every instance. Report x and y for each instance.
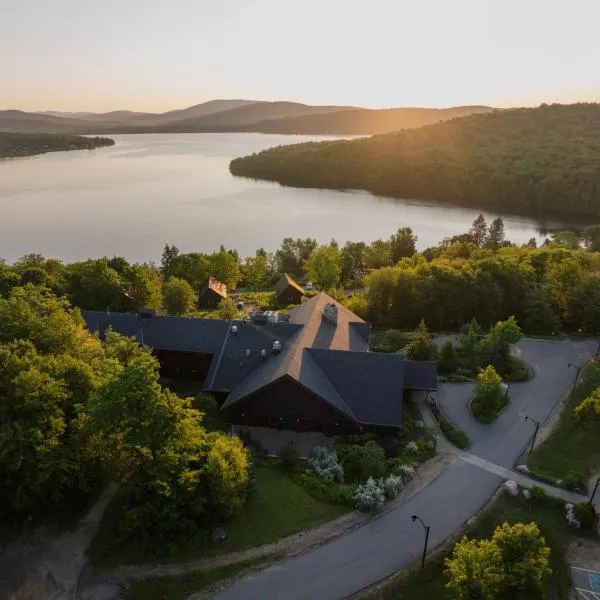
(475, 565)
(227, 309)
(352, 263)
(591, 237)
(255, 270)
(144, 287)
(323, 267)
(590, 407)
(538, 316)
(488, 395)
(402, 244)
(495, 235)
(478, 231)
(447, 360)
(225, 267)
(378, 254)
(95, 285)
(179, 296)
(567, 239)
(421, 346)
(193, 267)
(525, 557)
(168, 254)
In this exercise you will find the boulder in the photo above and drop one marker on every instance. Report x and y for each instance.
(560, 483)
(569, 507)
(419, 424)
(526, 494)
(523, 469)
(511, 487)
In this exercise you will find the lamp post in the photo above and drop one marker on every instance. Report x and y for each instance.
(598, 350)
(426, 528)
(507, 390)
(537, 426)
(576, 376)
(594, 492)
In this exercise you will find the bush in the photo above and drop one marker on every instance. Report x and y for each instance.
(288, 457)
(369, 497)
(325, 464)
(458, 438)
(538, 493)
(362, 462)
(488, 396)
(391, 486)
(412, 448)
(575, 481)
(392, 446)
(586, 515)
(326, 490)
(517, 370)
(407, 472)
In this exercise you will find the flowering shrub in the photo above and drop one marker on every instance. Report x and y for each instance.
(411, 448)
(407, 472)
(325, 464)
(369, 496)
(391, 486)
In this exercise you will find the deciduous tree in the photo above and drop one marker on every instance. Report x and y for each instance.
(180, 298)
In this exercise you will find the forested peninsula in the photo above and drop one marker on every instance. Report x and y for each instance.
(530, 160)
(13, 145)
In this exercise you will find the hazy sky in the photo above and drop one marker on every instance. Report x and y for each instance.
(157, 55)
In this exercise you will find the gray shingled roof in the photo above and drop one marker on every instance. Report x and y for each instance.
(420, 375)
(371, 384)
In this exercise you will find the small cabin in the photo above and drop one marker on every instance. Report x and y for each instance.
(211, 293)
(287, 291)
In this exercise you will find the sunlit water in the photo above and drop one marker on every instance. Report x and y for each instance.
(147, 190)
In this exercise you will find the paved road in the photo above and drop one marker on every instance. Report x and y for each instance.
(345, 566)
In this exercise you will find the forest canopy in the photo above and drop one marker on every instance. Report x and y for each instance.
(13, 145)
(529, 160)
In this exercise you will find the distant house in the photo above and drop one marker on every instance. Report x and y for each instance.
(304, 379)
(287, 291)
(211, 293)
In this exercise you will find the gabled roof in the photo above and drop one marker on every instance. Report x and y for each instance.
(215, 285)
(371, 384)
(284, 282)
(420, 375)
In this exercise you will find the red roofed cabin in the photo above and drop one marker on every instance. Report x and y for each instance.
(211, 293)
(287, 291)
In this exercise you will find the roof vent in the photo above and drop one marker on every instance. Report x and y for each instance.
(263, 353)
(276, 346)
(247, 353)
(234, 329)
(330, 313)
(272, 316)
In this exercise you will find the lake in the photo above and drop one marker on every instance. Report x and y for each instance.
(147, 190)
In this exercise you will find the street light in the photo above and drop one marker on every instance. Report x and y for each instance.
(598, 350)
(537, 426)
(426, 528)
(507, 390)
(576, 376)
(594, 492)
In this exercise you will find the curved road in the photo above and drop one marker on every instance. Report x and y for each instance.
(347, 565)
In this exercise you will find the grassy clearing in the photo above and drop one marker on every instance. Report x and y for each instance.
(180, 588)
(573, 446)
(547, 513)
(277, 507)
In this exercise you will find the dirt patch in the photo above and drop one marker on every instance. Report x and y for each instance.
(584, 553)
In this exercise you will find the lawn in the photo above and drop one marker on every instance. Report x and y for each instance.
(547, 513)
(573, 446)
(277, 507)
(180, 588)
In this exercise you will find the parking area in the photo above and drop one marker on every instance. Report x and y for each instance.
(586, 583)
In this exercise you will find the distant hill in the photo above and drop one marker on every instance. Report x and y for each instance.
(363, 121)
(14, 145)
(530, 160)
(234, 115)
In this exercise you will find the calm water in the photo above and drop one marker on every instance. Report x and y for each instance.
(148, 190)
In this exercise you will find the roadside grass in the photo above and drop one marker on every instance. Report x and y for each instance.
(180, 588)
(277, 507)
(573, 446)
(547, 512)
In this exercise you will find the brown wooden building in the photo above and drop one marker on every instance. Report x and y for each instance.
(287, 291)
(211, 293)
